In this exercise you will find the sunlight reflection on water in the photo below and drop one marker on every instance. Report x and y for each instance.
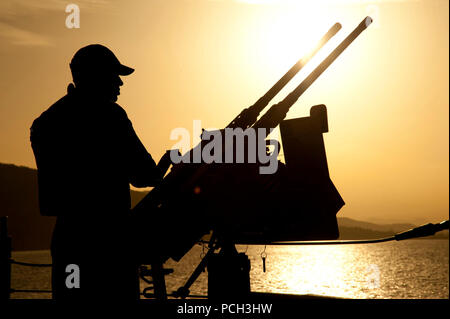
(412, 269)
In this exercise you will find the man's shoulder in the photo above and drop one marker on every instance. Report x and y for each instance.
(51, 112)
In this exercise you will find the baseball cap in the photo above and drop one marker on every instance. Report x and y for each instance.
(98, 58)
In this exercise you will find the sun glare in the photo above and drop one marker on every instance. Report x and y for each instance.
(287, 34)
(284, 39)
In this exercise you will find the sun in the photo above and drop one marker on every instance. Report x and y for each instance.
(285, 33)
(288, 39)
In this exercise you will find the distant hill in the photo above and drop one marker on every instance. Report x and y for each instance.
(31, 231)
(348, 222)
(355, 229)
(19, 201)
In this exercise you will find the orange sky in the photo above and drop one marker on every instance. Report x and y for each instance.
(387, 94)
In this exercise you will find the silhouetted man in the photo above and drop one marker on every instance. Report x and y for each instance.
(87, 154)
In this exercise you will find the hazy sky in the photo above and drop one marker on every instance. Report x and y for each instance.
(387, 94)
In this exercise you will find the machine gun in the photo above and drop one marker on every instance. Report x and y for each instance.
(235, 192)
(245, 119)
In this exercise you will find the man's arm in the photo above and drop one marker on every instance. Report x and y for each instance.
(143, 171)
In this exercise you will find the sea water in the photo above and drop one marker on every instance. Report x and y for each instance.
(409, 269)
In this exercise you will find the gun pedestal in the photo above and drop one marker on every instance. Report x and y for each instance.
(228, 274)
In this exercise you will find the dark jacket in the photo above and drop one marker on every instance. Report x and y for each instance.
(87, 153)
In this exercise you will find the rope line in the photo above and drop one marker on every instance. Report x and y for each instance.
(12, 261)
(321, 242)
